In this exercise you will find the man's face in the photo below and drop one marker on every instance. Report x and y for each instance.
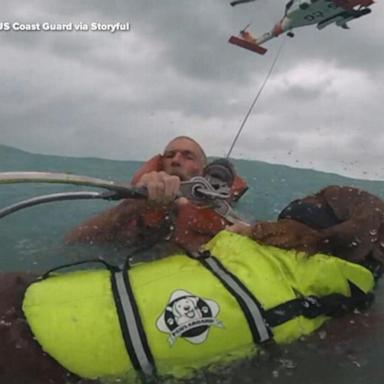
(183, 158)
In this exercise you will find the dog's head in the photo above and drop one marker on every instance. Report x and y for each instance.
(186, 307)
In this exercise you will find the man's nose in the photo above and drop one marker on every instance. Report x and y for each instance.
(177, 158)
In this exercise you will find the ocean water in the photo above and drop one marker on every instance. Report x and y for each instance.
(348, 350)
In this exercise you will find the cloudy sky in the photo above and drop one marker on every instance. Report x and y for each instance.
(123, 95)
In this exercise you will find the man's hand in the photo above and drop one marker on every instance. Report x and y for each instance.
(240, 227)
(162, 188)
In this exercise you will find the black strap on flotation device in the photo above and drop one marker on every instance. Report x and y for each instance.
(374, 266)
(131, 325)
(109, 266)
(333, 305)
(252, 309)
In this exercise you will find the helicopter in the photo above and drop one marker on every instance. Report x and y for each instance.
(300, 13)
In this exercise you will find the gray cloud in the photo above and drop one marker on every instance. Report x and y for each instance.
(124, 95)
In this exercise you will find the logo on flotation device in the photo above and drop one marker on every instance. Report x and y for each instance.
(188, 316)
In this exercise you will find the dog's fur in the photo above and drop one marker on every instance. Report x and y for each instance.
(356, 235)
(22, 361)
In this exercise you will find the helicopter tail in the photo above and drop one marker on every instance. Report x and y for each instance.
(247, 44)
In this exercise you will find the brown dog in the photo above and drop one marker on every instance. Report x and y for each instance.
(342, 221)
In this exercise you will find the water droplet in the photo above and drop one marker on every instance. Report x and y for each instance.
(5, 323)
(322, 335)
(287, 363)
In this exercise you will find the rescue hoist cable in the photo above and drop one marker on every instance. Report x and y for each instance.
(256, 98)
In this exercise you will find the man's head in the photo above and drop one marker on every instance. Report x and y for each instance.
(184, 157)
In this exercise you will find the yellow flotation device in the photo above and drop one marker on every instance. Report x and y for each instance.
(177, 314)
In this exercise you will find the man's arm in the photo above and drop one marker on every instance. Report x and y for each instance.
(121, 224)
(116, 224)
